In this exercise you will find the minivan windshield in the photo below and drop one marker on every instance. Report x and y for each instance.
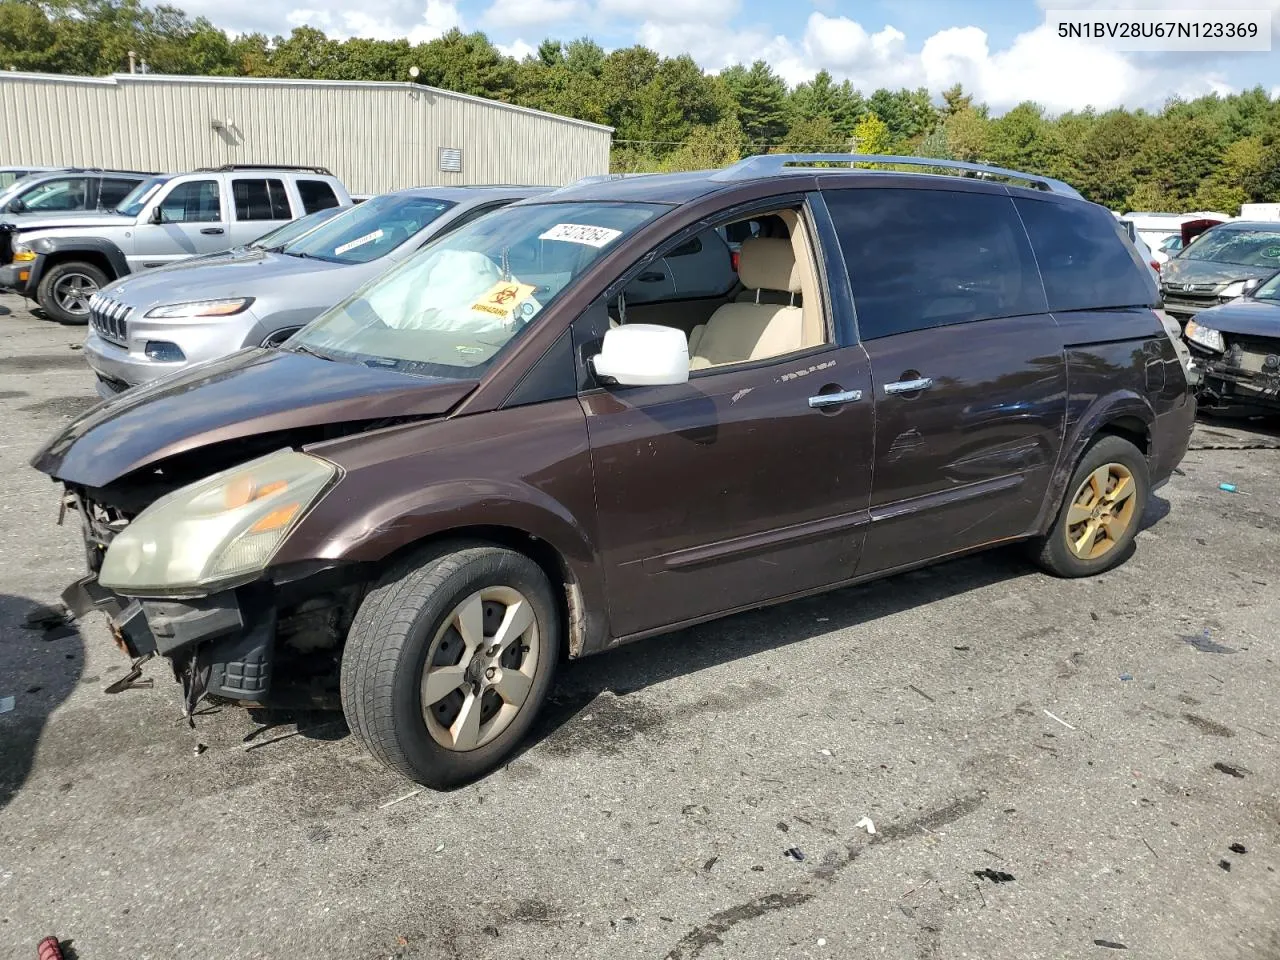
(1245, 247)
(448, 310)
(370, 230)
(137, 198)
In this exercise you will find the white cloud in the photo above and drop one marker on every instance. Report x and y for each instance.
(711, 14)
(715, 47)
(418, 23)
(517, 48)
(529, 13)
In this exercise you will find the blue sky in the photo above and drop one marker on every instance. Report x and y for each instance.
(1002, 50)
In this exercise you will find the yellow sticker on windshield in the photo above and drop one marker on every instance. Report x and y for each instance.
(503, 297)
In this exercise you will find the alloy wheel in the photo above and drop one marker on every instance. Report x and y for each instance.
(72, 292)
(480, 667)
(1101, 511)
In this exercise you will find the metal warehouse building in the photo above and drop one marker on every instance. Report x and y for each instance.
(374, 136)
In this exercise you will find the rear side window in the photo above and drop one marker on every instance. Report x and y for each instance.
(260, 200)
(1083, 260)
(316, 195)
(113, 191)
(929, 258)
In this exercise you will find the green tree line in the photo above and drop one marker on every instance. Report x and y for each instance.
(1211, 153)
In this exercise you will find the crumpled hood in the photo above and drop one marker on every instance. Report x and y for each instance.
(253, 273)
(64, 222)
(248, 393)
(1179, 270)
(1249, 318)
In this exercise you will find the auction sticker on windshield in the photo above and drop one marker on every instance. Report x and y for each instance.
(358, 242)
(581, 233)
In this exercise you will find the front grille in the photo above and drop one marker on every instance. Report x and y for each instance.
(1189, 303)
(110, 319)
(1254, 356)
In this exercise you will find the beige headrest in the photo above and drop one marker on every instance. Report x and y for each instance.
(768, 263)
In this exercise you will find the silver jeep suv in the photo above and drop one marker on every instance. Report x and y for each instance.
(146, 327)
(60, 260)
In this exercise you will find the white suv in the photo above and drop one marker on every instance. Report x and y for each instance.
(61, 260)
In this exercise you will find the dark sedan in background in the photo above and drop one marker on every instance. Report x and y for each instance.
(1237, 346)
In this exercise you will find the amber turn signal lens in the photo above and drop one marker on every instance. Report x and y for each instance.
(276, 519)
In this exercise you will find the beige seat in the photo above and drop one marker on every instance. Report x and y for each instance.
(754, 330)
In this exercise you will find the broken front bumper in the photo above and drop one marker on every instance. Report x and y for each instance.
(1226, 385)
(222, 644)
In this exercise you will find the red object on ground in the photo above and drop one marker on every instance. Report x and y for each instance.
(49, 949)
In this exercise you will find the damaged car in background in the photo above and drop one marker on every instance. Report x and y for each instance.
(500, 454)
(1236, 346)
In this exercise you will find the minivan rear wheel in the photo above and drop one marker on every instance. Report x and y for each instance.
(1100, 516)
(449, 659)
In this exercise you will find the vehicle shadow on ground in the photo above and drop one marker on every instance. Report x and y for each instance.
(39, 668)
(644, 664)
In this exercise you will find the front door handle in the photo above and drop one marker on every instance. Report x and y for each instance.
(212, 231)
(908, 386)
(834, 399)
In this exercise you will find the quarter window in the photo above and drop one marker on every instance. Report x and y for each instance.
(930, 258)
(1085, 263)
(316, 195)
(260, 200)
(196, 201)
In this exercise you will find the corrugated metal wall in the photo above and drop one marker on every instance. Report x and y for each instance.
(375, 137)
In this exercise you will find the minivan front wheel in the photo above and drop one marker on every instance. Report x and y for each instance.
(1098, 520)
(449, 659)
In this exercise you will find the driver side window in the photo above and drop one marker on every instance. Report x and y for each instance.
(196, 201)
(754, 290)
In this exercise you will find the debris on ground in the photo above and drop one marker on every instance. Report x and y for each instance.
(793, 853)
(1110, 945)
(868, 823)
(709, 864)
(1053, 716)
(995, 876)
(6, 704)
(49, 949)
(1126, 676)
(1229, 770)
(1205, 644)
(199, 749)
(916, 689)
(1225, 865)
(46, 617)
(783, 826)
(1237, 848)
(392, 803)
(1228, 488)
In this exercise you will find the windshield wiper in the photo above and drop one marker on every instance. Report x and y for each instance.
(310, 351)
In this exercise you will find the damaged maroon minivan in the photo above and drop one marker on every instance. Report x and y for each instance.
(556, 430)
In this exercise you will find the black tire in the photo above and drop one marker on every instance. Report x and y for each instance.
(1052, 551)
(47, 293)
(392, 634)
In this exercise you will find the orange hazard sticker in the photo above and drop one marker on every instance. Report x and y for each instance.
(503, 297)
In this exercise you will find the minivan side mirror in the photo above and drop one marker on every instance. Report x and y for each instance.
(157, 214)
(643, 354)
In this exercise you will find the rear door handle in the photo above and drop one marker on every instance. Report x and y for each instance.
(212, 231)
(835, 399)
(908, 386)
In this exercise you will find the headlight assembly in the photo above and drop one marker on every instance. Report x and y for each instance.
(200, 308)
(1237, 289)
(1206, 337)
(222, 529)
(23, 253)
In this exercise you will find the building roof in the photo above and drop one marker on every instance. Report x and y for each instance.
(163, 78)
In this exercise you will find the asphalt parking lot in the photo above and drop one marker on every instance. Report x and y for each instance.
(1064, 735)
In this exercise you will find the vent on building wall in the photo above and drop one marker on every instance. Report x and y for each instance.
(450, 160)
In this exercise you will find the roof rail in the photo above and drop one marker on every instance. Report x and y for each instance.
(232, 167)
(605, 178)
(773, 164)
